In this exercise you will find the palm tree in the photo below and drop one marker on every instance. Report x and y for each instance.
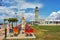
(5, 20)
(12, 20)
(9, 22)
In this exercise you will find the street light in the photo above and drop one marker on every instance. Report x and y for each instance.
(5, 28)
(16, 18)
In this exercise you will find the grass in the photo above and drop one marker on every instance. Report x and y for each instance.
(51, 28)
(52, 33)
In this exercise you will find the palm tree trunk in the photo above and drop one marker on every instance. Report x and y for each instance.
(12, 24)
(9, 24)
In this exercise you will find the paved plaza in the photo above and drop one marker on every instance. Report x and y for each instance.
(21, 36)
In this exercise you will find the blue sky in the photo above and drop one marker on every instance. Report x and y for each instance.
(49, 6)
(46, 8)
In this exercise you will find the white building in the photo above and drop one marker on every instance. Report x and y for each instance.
(42, 20)
(52, 21)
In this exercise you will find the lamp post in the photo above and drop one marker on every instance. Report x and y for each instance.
(16, 18)
(5, 32)
(5, 28)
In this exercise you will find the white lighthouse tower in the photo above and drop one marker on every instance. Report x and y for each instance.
(36, 14)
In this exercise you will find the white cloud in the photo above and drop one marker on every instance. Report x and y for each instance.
(30, 5)
(6, 12)
(25, 5)
(19, 4)
(58, 12)
(54, 16)
(29, 16)
(11, 13)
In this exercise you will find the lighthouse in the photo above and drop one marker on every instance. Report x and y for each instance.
(36, 14)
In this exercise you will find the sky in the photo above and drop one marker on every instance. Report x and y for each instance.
(48, 9)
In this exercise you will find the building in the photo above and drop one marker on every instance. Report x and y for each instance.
(36, 14)
(42, 20)
(52, 21)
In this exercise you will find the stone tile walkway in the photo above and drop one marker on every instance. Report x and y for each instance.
(21, 36)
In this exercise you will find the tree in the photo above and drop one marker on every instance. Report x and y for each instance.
(16, 20)
(12, 20)
(5, 20)
(9, 23)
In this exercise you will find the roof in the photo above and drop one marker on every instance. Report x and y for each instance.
(52, 20)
